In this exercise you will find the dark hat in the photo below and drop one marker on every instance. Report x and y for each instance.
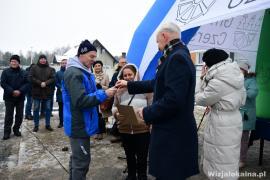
(85, 47)
(98, 62)
(214, 56)
(15, 57)
(42, 56)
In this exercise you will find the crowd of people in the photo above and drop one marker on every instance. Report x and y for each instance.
(165, 127)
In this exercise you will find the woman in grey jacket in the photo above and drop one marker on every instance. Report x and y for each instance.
(135, 136)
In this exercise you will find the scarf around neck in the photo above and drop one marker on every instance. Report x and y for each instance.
(99, 76)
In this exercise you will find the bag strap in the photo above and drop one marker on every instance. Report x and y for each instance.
(131, 99)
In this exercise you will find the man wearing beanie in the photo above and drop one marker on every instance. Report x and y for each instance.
(15, 85)
(222, 89)
(42, 76)
(80, 99)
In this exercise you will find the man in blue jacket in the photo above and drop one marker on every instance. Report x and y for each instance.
(173, 152)
(15, 84)
(80, 99)
(59, 77)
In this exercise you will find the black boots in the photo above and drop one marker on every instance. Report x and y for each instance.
(35, 129)
(6, 136)
(49, 128)
(17, 133)
(60, 125)
(29, 117)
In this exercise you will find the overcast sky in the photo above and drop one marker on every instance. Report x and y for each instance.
(47, 24)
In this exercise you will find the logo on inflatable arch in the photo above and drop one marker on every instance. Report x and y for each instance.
(189, 10)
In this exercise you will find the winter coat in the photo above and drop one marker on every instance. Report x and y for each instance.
(248, 111)
(14, 79)
(140, 100)
(80, 98)
(173, 152)
(29, 92)
(42, 73)
(104, 82)
(223, 90)
(58, 82)
(114, 79)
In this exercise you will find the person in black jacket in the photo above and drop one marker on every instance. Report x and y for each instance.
(114, 131)
(122, 61)
(15, 85)
(58, 83)
(173, 152)
(29, 100)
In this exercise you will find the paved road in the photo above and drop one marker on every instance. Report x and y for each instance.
(40, 156)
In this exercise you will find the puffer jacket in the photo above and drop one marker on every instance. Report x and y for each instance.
(140, 100)
(223, 90)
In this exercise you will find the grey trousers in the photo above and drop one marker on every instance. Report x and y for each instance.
(244, 146)
(79, 159)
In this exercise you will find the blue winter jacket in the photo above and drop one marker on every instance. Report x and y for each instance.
(80, 98)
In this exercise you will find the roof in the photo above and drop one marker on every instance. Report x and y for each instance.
(59, 58)
(73, 51)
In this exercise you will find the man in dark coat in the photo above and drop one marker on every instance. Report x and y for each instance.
(122, 61)
(114, 131)
(15, 85)
(42, 77)
(174, 143)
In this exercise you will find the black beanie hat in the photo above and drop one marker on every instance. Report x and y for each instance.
(214, 56)
(98, 62)
(15, 57)
(85, 47)
(42, 56)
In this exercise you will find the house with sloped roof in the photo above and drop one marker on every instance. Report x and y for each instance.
(109, 61)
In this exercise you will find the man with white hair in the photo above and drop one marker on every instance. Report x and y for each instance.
(174, 142)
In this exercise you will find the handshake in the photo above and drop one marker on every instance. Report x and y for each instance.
(119, 84)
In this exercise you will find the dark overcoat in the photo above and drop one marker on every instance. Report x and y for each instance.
(42, 73)
(173, 151)
(14, 79)
(58, 78)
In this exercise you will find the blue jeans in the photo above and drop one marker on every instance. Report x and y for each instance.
(43, 105)
(37, 103)
(28, 107)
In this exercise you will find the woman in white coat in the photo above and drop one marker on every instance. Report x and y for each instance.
(222, 89)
